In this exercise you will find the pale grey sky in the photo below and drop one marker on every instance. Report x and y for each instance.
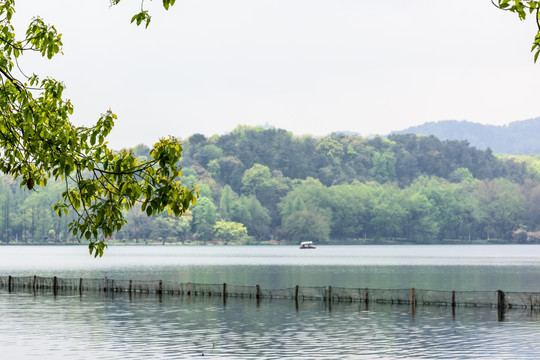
(308, 66)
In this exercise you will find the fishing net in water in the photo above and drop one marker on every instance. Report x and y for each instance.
(522, 300)
(241, 291)
(337, 294)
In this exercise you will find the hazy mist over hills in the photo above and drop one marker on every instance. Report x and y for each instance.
(517, 138)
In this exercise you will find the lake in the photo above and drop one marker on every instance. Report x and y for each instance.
(95, 326)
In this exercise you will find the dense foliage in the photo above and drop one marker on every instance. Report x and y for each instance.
(268, 184)
(265, 183)
(39, 143)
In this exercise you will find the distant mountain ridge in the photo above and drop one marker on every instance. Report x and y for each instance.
(516, 138)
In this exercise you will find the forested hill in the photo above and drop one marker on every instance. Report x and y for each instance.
(517, 138)
(341, 159)
(258, 185)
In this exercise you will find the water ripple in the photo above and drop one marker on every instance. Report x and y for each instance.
(96, 327)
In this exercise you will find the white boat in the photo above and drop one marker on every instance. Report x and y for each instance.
(307, 245)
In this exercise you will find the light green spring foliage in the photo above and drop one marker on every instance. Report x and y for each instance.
(229, 230)
(38, 142)
(524, 8)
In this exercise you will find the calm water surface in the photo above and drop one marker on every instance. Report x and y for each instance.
(505, 267)
(143, 326)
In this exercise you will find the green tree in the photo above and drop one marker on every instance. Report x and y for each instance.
(501, 206)
(305, 214)
(204, 218)
(230, 230)
(230, 171)
(421, 221)
(388, 213)
(256, 179)
(383, 169)
(208, 153)
(183, 227)
(267, 187)
(249, 211)
(349, 211)
(139, 226)
(307, 225)
(39, 142)
(226, 202)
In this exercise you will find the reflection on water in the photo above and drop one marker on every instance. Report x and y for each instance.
(435, 267)
(142, 326)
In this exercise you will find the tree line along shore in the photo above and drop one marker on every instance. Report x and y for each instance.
(264, 186)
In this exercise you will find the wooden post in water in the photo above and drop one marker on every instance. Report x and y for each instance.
(501, 304)
(10, 284)
(329, 298)
(34, 284)
(366, 298)
(188, 289)
(55, 286)
(105, 284)
(80, 286)
(160, 291)
(224, 294)
(130, 286)
(258, 294)
(413, 301)
(453, 303)
(296, 293)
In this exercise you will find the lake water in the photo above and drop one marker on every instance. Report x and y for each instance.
(95, 326)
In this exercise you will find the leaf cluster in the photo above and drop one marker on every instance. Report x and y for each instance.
(38, 142)
(143, 16)
(522, 9)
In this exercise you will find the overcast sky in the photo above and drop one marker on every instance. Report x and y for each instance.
(308, 66)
